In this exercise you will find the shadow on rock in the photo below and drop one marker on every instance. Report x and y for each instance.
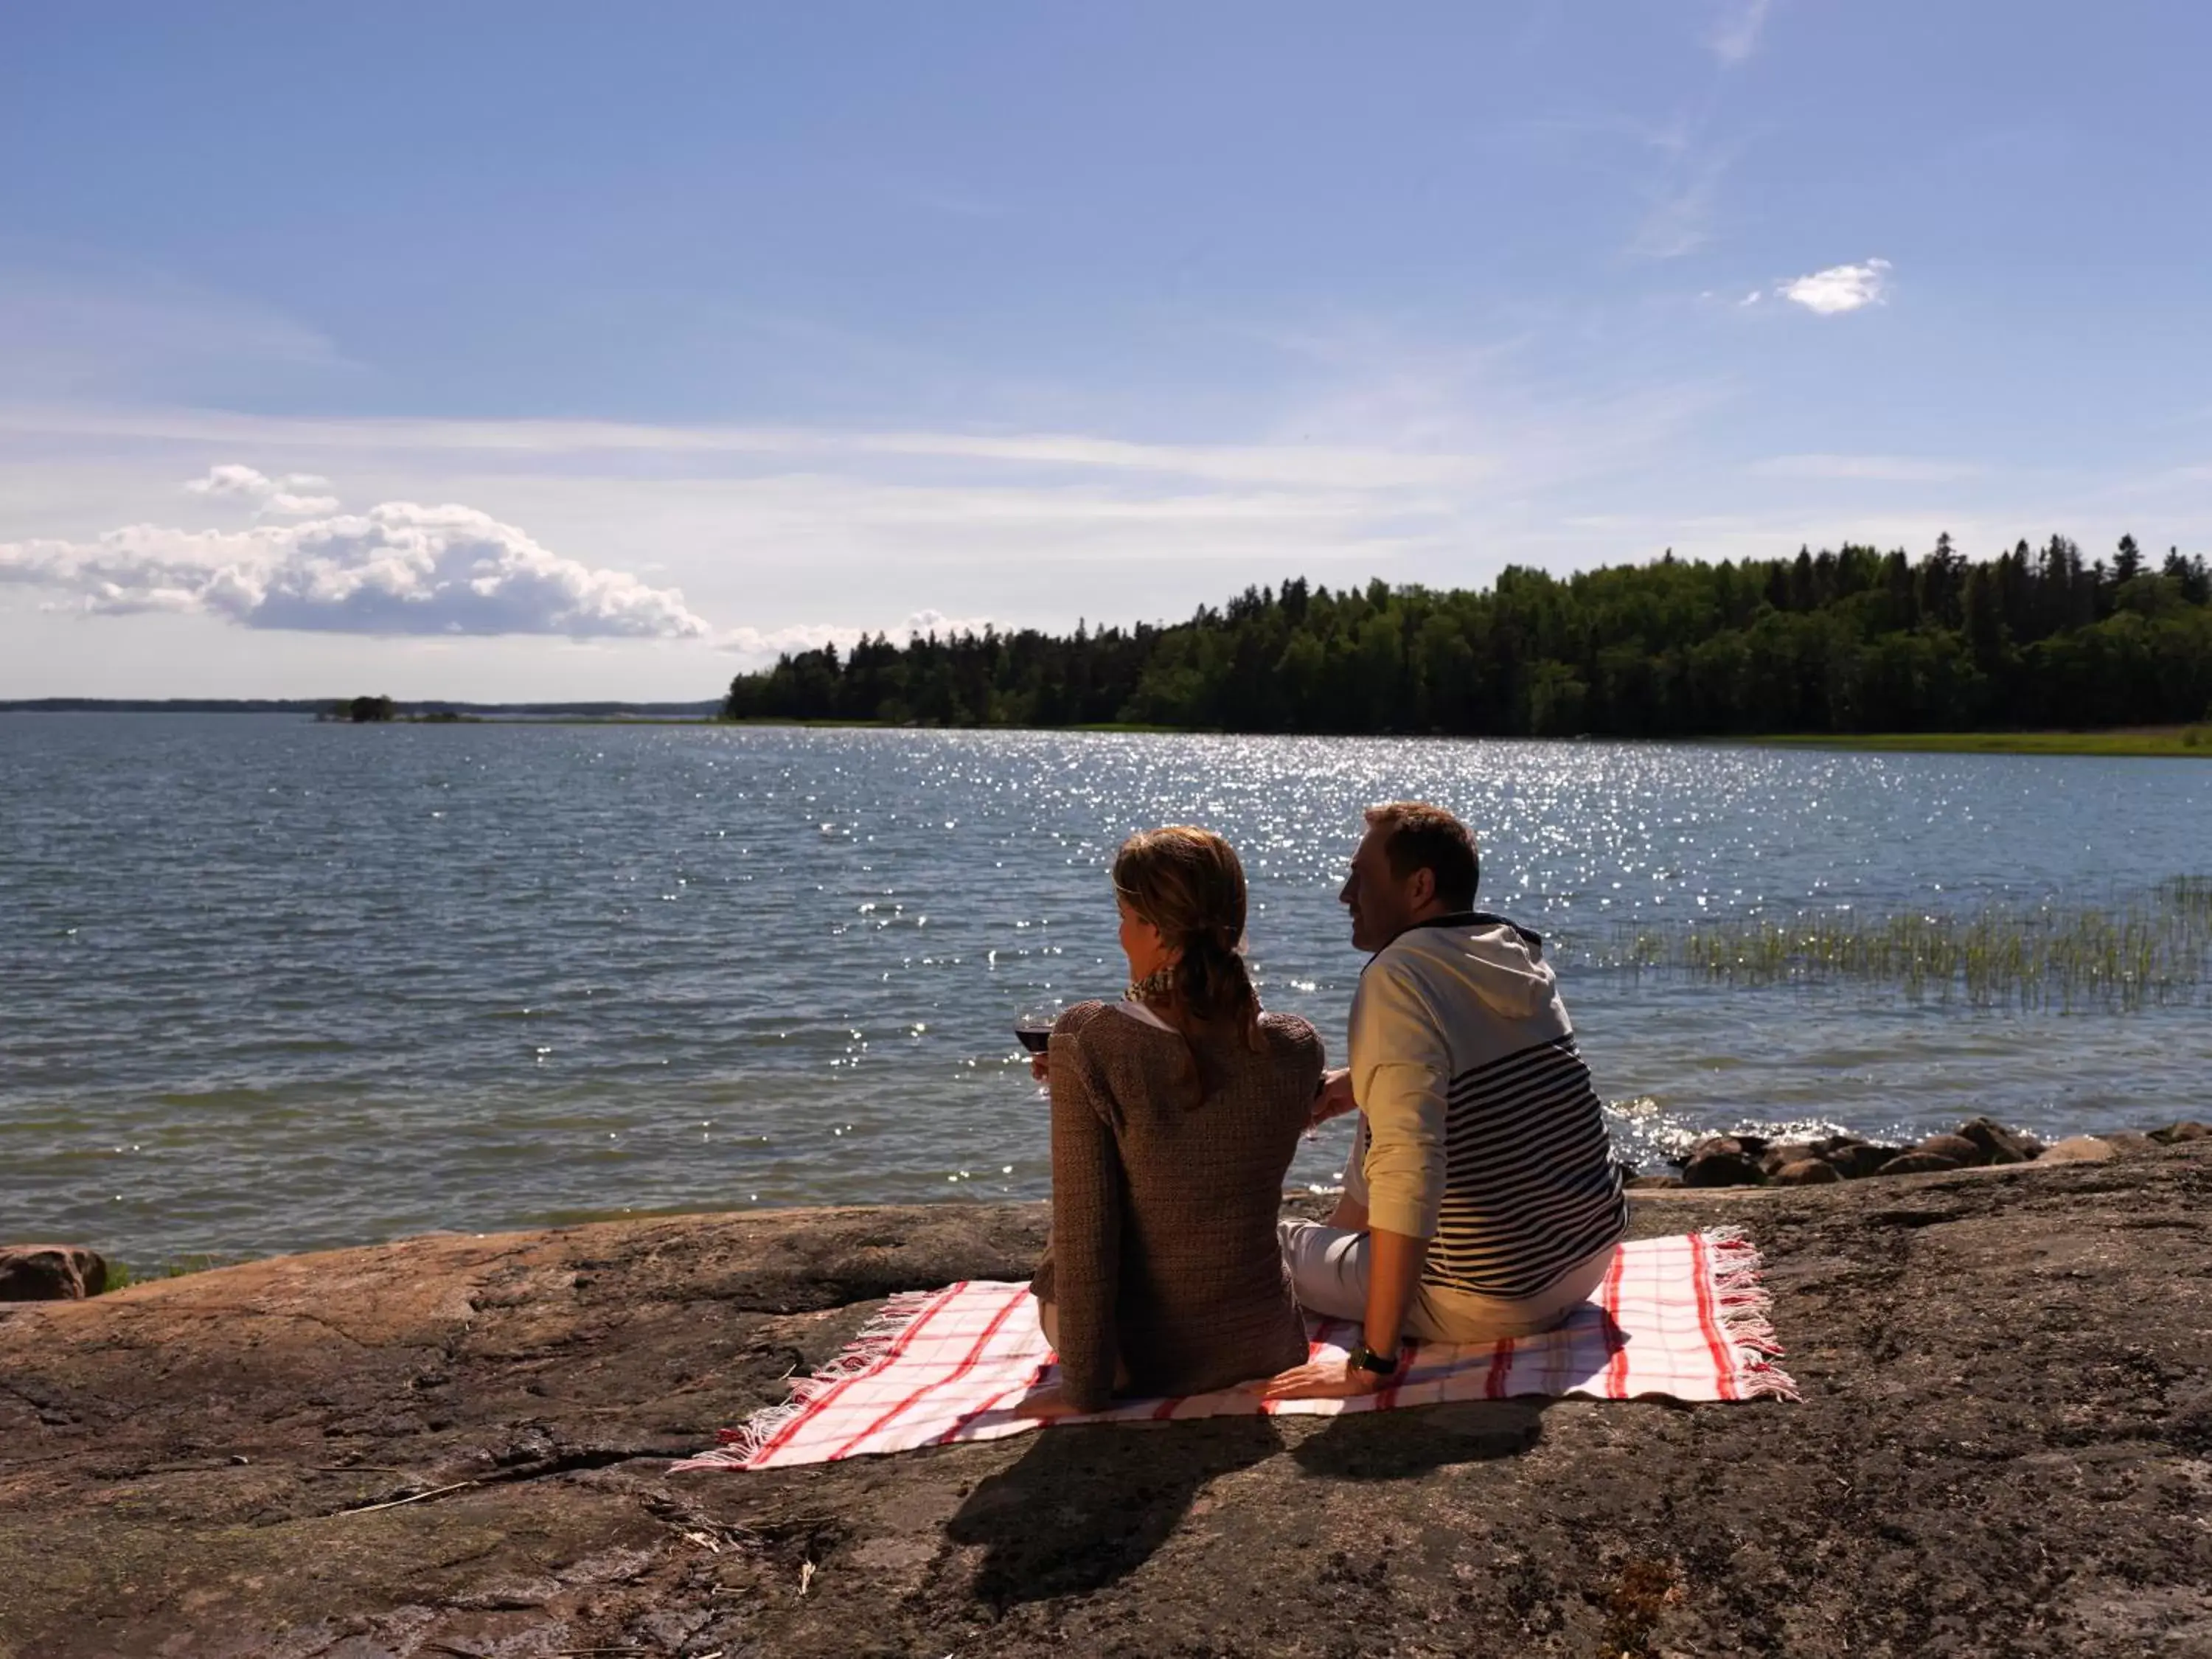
(1402, 1444)
(1087, 1506)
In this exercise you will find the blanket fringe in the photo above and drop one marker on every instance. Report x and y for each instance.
(1745, 1305)
(866, 1351)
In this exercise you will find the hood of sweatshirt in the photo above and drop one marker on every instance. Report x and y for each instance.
(1501, 964)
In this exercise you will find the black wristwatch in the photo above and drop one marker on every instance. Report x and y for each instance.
(1382, 1364)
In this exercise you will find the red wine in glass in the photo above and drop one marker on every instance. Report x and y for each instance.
(1033, 1029)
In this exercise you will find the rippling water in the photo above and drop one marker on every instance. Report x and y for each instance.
(269, 985)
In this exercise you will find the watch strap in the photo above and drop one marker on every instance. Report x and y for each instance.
(1368, 1360)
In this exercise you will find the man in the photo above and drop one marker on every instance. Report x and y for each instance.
(1481, 1200)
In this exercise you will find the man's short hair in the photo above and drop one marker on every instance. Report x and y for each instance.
(1419, 836)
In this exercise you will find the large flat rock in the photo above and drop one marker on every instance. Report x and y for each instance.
(2005, 1447)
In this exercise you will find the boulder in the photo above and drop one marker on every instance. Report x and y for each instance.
(1855, 1160)
(1653, 1183)
(1782, 1153)
(1807, 1172)
(1963, 1153)
(2188, 1129)
(1723, 1161)
(2077, 1149)
(1917, 1162)
(51, 1272)
(1997, 1144)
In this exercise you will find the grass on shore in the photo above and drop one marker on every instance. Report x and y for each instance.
(121, 1277)
(2154, 948)
(2184, 741)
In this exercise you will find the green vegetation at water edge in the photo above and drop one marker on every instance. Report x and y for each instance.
(121, 1277)
(1852, 642)
(2189, 740)
(2156, 947)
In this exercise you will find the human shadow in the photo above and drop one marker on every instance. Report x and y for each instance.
(1087, 1505)
(1403, 1445)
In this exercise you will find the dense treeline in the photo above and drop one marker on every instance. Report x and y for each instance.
(1855, 641)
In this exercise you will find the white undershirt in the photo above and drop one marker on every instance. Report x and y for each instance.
(1136, 1010)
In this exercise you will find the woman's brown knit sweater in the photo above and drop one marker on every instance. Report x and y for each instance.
(1163, 1248)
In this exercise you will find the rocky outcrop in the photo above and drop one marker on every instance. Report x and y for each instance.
(459, 1445)
(51, 1272)
(1748, 1160)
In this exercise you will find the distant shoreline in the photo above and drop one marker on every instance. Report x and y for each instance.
(2167, 742)
(700, 711)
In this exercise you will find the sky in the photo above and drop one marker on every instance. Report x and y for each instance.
(514, 351)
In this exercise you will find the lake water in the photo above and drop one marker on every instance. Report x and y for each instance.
(268, 985)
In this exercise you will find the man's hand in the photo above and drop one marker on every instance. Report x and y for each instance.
(1044, 1404)
(1334, 1099)
(1322, 1379)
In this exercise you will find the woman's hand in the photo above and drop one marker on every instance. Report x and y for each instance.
(1041, 1068)
(1322, 1379)
(1334, 1100)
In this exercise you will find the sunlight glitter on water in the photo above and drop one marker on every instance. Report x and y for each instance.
(246, 946)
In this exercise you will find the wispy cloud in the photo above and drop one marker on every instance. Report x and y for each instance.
(1839, 288)
(1307, 465)
(74, 335)
(1681, 218)
(1883, 468)
(398, 568)
(1737, 38)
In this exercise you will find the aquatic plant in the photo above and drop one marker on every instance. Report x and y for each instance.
(2152, 947)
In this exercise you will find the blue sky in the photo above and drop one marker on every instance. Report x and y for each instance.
(523, 350)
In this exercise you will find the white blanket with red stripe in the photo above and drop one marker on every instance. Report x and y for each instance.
(1684, 1318)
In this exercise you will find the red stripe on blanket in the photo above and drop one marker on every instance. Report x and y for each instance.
(974, 1352)
(1723, 1376)
(815, 1408)
(1616, 1368)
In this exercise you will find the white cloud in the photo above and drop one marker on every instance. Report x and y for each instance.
(1737, 38)
(233, 482)
(398, 568)
(765, 645)
(1839, 288)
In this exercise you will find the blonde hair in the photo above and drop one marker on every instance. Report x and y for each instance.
(1187, 883)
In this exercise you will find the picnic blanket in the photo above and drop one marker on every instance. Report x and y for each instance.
(1683, 1317)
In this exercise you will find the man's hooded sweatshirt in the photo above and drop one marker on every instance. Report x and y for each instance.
(1480, 1132)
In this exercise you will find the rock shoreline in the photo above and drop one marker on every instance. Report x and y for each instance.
(458, 1445)
(1749, 1160)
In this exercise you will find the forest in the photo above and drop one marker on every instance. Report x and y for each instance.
(1842, 641)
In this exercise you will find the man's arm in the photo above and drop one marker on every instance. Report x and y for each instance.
(1394, 1273)
(1401, 1070)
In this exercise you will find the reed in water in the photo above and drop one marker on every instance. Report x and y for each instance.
(2152, 947)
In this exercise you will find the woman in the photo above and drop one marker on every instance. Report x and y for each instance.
(1175, 1115)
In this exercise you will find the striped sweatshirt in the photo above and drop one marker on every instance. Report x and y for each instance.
(1480, 1132)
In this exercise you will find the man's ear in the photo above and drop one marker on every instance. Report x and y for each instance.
(1420, 888)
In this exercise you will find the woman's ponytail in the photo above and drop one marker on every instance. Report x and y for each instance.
(1189, 884)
